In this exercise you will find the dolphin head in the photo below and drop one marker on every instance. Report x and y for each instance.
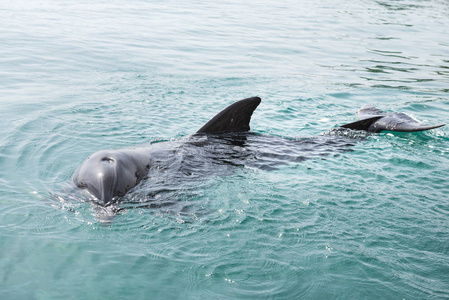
(108, 174)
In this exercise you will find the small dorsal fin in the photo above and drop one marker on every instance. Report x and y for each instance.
(364, 124)
(234, 118)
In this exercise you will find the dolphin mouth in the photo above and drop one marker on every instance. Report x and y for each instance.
(100, 198)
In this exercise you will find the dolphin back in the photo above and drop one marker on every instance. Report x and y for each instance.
(234, 118)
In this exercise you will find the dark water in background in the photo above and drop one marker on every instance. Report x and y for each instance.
(77, 77)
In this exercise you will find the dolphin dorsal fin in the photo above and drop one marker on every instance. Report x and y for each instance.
(234, 118)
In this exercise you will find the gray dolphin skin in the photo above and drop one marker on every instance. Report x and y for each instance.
(222, 143)
(372, 119)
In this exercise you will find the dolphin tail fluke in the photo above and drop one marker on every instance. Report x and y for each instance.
(391, 121)
(416, 127)
(364, 124)
(234, 118)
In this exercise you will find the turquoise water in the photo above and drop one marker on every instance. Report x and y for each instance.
(82, 76)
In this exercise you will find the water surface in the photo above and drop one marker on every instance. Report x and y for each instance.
(81, 76)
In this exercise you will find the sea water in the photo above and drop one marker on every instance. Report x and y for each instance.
(81, 76)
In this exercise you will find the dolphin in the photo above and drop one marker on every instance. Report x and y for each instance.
(372, 119)
(223, 141)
